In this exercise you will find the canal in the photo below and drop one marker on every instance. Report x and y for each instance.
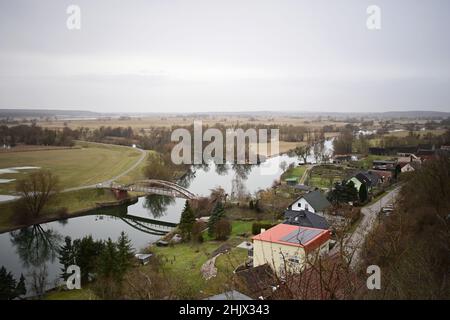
(33, 250)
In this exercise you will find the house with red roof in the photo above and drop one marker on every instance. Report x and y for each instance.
(286, 246)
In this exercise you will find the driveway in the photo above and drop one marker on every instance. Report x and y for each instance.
(369, 216)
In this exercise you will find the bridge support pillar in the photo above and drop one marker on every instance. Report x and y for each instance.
(120, 194)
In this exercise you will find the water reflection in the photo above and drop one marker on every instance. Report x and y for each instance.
(157, 204)
(35, 246)
(222, 169)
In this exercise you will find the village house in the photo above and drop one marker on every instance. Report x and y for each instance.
(407, 157)
(285, 247)
(314, 201)
(369, 178)
(385, 176)
(406, 167)
(426, 154)
(342, 158)
(384, 164)
(305, 218)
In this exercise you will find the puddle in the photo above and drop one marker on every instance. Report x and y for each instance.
(5, 198)
(6, 180)
(16, 169)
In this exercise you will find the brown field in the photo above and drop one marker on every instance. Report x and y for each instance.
(157, 121)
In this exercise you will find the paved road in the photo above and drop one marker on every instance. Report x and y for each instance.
(356, 239)
(108, 182)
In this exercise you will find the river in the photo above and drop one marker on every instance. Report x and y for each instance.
(31, 251)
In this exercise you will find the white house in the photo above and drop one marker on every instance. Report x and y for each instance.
(407, 167)
(314, 201)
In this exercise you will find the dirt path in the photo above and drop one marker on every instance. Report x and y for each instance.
(306, 173)
(209, 269)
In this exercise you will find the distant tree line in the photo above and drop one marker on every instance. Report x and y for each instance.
(35, 135)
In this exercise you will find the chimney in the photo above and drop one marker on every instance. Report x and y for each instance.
(263, 230)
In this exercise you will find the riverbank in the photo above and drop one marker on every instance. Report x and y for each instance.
(65, 206)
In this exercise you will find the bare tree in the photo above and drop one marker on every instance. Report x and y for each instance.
(36, 190)
(302, 152)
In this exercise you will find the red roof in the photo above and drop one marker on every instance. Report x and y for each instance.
(290, 235)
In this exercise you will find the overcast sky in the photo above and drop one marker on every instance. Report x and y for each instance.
(225, 55)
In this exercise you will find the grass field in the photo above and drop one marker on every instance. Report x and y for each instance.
(324, 176)
(402, 134)
(90, 164)
(186, 259)
(137, 173)
(296, 172)
(283, 147)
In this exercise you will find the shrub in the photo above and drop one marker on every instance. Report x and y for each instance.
(222, 229)
(257, 226)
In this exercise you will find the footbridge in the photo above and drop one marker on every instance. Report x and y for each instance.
(153, 186)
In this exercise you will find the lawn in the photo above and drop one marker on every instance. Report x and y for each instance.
(137, 173)
(90, 164)
(296, 172)
(81, 294)
(184, 261)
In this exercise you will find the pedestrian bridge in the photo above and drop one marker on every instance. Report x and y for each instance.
(153, 186)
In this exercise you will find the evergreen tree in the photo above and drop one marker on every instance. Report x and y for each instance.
(21, 288)
(66, 256)
(351, 194)
(8, 287)
(87, 251)
(217, 213)
(343, 192)
(107, 262)
(363, 194)
(125, 253)
(187, 220)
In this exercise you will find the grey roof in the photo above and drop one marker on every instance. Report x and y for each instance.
(317, 200)
(306, 219)
(230, 295)
(368, 177)
(303, 187)
(301, 236)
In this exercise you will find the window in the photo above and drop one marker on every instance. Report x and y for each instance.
(299, 205)
(306, 206)
(294, 260)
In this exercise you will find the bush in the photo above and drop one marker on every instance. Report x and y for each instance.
(257, 226)
(222, 229)
(197, 230)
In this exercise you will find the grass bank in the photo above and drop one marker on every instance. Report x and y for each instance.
(72, 204)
